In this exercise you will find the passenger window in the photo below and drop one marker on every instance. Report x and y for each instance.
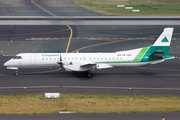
(42, 58)
(46, 58)
(54, 58)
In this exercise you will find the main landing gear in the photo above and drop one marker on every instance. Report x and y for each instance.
(16, 73)
(88, 73)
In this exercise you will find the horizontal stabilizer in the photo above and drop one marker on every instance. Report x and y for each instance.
(159, 61)
(157, 54)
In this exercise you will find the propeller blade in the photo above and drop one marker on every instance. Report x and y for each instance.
(60, 61)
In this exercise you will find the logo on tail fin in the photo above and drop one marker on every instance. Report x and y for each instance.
(165, 39)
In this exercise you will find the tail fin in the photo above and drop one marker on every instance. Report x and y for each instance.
(160, 48)
(165, 38)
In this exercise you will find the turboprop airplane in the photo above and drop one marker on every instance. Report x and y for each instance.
(87, 62)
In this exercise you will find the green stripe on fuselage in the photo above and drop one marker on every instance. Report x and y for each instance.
(144, 55)
(141, 53)
(153, 49)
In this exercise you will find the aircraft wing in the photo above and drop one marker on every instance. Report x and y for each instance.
(87, 64)
(98, 66)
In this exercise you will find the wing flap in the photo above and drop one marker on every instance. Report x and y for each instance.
(87, 64)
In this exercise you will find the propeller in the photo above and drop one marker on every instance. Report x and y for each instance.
(60, 62)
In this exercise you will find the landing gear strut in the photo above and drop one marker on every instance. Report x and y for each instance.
(16, 73)
(88, 73)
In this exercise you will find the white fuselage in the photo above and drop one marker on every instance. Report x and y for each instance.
(74, 61)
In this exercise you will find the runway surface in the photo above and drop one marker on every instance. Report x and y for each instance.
(114, 116)
(158, 79)
(43, 8)
(25, 33)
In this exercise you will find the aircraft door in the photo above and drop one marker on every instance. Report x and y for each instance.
(33, 60)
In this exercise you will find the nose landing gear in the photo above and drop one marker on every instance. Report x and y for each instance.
(16, 73)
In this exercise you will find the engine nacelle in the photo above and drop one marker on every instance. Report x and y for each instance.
(103, 66)
(75, 66)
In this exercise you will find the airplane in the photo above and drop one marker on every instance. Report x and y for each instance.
(87, 62)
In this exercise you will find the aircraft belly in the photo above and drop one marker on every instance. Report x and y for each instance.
(77, 69)
(40, 66)
(129, 64)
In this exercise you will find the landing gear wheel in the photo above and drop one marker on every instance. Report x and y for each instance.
(89, 75)
(85, 72)
(16, 73)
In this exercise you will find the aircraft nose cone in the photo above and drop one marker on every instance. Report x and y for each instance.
(6, 64)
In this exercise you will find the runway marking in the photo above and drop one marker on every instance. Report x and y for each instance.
(43, 8)
(124, 88)
(69, 38)
(97, 45)
(43, 71)
(35, 33)
(157, 69)
(153, 75)
(112, 75)
(49, 11)
(26, 74)
(8, 55)
(125, 39)
(107, 39)
(29, 87)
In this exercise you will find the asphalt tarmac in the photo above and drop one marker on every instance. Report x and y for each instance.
(40, 8)
(114, 116)
(158, 79)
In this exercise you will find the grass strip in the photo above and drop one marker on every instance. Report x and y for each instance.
(146, 7)
(37, 104)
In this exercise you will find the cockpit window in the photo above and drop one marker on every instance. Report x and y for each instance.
(17, 57)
